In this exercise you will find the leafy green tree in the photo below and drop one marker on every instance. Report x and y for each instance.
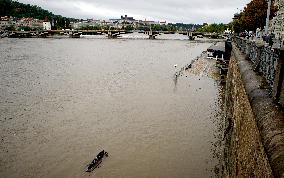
(129, 28)
(158, 27)
(97, 27)
(183, 27)
(217, 28)
(144, 28)
(105, 27)
(25, 28)
(11, 28)
(5, 7)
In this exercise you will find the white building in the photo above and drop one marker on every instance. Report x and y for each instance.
(163, 23)
(46, 25)
(149, 22)
(277, 23)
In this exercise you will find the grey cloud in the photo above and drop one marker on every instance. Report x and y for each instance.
(188, 11)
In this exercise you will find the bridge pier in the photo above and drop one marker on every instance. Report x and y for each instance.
(190, 36)
(20, 34)
(152, 34)
(43, 34)
(152, 37)
(75, 34)
(113, 34)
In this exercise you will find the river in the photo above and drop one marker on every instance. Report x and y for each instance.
(64, 100)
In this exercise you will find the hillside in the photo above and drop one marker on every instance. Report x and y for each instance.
(17, 9)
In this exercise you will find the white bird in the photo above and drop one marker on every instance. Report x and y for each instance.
(175, 65)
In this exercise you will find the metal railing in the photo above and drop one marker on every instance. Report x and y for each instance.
(264, 58)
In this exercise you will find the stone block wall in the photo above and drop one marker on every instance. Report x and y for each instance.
(244, 152)
(254, 136)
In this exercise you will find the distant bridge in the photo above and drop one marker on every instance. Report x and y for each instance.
(110, 33)
(153, 34)
(70, 33)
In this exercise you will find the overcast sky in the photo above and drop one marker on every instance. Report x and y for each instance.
(186, 11)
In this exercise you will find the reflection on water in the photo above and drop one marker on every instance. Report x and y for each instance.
(64, 100)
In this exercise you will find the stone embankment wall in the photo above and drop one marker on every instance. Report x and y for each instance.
(254, 136)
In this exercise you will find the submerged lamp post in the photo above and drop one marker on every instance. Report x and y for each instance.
(267, 18)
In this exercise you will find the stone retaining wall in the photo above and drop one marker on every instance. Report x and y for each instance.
(254, 135)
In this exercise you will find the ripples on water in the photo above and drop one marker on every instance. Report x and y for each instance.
(64, 100)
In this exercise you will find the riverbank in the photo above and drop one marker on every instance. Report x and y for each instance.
(202, 67)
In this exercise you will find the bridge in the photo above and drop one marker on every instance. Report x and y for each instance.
(109, 33)
(191, 35)
(70, 33)
(153, 34)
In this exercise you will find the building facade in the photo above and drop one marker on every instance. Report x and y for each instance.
(30, 22)
(6, 22)
(46, 25)
(277, 23)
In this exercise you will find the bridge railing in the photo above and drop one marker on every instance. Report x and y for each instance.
(267, 61)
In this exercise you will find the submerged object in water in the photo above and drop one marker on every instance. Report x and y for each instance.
(97, 161)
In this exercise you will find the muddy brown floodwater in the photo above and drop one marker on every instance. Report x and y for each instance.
(64, 100)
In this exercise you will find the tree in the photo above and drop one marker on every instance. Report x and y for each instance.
(5, 7)
(25, 28)
(217, 28)
(11, 28)
(253, 16)
(17, 9)
(97, 27)
(156, 27)
(129, 28)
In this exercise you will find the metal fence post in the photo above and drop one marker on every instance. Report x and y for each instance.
(278, 87)
(228, 50)
(247, 49)
(257, 57)
(244, 44)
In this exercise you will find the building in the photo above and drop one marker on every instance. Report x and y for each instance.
(149, 22)
(6, 22)
(46, 25)
(277, 23)
(37, 24)
(30, 22)
(163, 23)
(24, 22)
(127, 20)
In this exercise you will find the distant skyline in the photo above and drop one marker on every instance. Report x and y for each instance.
(186, 11)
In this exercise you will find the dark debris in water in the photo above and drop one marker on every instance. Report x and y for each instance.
(96, 161)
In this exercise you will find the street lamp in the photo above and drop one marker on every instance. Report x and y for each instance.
(267, 18)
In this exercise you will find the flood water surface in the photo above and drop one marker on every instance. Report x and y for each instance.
(64, 100)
